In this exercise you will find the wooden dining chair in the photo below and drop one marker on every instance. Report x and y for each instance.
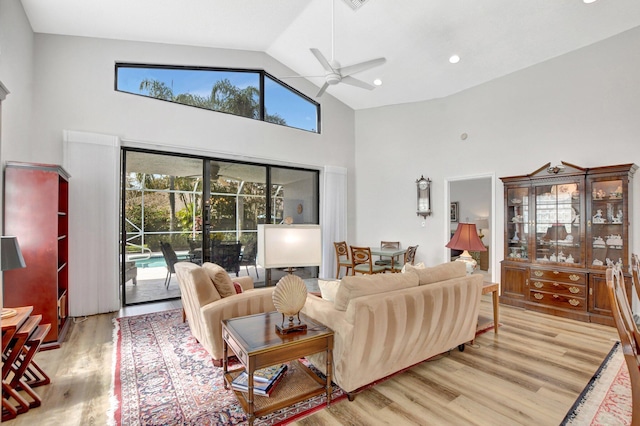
(635, 273)
(361, 258)
(385, 260)
(409, 259)
(627, 331)
(342, 257)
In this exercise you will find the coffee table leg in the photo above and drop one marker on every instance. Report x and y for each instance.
(225, 365)
(329, 371)
(250, 414)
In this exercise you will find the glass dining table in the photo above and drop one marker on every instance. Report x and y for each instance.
(393, 253)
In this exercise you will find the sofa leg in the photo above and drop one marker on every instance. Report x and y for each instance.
(184, 315)
(461, 347)
(217, 362)
(351, 396)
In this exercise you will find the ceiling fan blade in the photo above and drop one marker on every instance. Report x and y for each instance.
(358, 83)
(322, 90)
(301, 76)
(323, 61)
(362, 66)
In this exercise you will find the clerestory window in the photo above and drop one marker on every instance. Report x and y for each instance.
(248, 93)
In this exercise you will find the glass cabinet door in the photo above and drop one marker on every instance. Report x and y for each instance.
(557, 215)
(517, 225)
(607, 210)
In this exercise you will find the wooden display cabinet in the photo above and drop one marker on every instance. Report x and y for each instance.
(563, 225)
(36, 209)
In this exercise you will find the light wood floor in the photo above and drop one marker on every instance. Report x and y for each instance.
(529, 374)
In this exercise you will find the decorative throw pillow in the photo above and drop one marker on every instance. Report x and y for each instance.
(220, 278)
(238, 287)
(328, 289)
(409, 267)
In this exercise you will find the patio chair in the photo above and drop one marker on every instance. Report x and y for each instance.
(170, 258)
(227, 255)
(248, 257)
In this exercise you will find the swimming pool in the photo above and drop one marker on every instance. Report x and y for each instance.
(156, 260)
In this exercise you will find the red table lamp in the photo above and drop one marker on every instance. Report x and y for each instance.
(466, 239)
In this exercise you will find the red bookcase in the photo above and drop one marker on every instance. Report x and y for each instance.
(36, 210)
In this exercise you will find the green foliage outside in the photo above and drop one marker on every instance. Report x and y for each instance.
(224, 97)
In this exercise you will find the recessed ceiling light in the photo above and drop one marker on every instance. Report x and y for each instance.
(589, 1)
(454, 59)
(377, 82)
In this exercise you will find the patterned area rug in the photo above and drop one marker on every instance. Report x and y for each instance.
(163, 376)
(606, 400)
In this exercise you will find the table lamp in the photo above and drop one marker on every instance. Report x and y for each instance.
(482, 223)
(289, 246)
(11, 257)
(466, 239)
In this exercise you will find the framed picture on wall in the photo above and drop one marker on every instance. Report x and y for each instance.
(454, 211)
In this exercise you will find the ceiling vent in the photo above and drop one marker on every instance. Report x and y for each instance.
(355, 4)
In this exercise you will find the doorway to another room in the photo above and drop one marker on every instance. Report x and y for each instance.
(472, 200)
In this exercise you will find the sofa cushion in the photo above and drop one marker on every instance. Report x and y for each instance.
(220, 279)
(443, 272)
(353, 286)
(409, 267)
(328, 289)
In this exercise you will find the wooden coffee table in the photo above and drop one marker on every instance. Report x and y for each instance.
(256, 343)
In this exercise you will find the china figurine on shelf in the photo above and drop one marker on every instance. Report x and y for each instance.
(598, 242)
(618, 217)
(599, 194)
(515, 238)
(597, 262)
(553, 258)
(561, 257)
(598, 218)
(569, 259)
(614, 240)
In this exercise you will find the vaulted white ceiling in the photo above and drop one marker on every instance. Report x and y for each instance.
(492, 37)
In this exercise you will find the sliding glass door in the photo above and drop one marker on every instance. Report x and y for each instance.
(166, 216)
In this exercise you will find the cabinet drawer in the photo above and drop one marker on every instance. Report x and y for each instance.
(559, 276)
(577, 290)
(558, 300)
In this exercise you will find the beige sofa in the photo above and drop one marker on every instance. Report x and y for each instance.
(387, 322)
(209, 296)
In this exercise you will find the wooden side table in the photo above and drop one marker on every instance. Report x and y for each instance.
(494, 289)
(256, 343)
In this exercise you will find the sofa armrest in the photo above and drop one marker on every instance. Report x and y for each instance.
(252, 302)
(245, 282)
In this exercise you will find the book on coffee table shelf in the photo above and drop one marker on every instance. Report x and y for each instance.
(260, 387)
(268, 373)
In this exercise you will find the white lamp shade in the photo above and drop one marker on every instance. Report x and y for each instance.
(284, 246)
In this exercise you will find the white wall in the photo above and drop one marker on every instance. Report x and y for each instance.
(74, 83)
(582, 108)
(16, 73)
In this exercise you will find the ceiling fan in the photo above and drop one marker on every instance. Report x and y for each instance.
(334, 73)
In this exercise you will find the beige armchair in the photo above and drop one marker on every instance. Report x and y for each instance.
(208, 298)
